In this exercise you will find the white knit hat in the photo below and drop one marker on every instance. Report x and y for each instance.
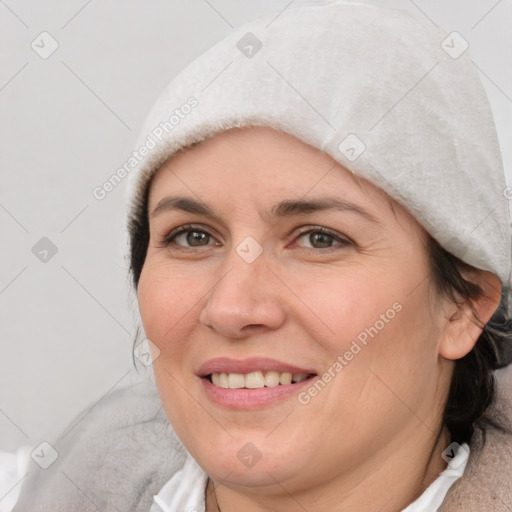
(389, 96)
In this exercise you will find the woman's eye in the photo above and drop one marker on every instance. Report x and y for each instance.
(189, 237)
(193, 238)
(320, 239)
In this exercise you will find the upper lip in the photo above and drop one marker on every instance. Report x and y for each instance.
(253, 364)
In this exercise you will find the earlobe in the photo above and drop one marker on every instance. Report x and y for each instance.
(465, 321)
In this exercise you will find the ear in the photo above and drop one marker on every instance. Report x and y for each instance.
(461, 328)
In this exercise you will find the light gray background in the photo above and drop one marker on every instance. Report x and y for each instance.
(67, 123)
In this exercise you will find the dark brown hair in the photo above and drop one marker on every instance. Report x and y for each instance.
(473, 387)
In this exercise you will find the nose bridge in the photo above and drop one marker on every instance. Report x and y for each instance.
(243, 280)
(243, 295)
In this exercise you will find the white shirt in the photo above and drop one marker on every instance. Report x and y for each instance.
(185, 491)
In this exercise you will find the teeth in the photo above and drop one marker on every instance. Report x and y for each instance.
(256, 380)
(236, 380)
(223, 381)
(271, 379)
(285, 378)
(220, 380)
(216, 379)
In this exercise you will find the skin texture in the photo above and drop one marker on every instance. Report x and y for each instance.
(372, 438)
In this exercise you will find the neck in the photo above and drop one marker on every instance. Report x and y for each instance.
(397, 480)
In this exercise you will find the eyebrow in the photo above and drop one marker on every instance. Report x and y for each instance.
(286, 208)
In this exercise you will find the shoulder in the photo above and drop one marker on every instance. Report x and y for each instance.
(116, 454)
(487, 480)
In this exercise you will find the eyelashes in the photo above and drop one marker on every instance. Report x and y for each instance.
(194, 237)
(196, 231)
(326, 236)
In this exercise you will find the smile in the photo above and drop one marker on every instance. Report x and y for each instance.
(254, 383)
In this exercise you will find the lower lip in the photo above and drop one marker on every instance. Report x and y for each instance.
(251, 398)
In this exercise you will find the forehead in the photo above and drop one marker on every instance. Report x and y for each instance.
(257, 158)
(255, 172)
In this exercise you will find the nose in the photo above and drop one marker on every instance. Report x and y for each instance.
(243, 301)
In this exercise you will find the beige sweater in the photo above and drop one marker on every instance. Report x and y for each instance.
(487, 481)
(118, 454)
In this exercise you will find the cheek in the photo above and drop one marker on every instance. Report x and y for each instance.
(341, 305)
(166, 301)
(371, 319)
(168, 308)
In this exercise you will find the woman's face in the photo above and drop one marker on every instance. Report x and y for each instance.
(267, 258)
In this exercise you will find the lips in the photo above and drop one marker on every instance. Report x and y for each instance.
(254, 373)
(253, 383)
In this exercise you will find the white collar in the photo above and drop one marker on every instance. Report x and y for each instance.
(184, 492)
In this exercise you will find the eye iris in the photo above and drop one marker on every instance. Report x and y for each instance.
(320, 240)
(196, 238)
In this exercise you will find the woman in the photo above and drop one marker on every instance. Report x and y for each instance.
(338, 292)
(320, 247)
(318, 348)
